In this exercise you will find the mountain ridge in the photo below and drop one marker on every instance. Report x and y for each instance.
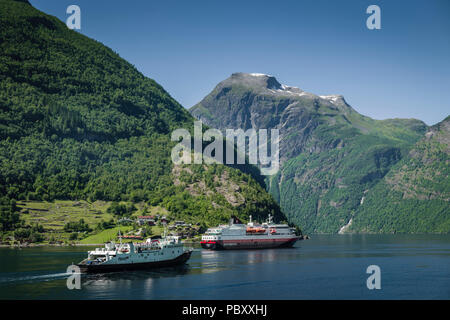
(331, 155)
(287, 101)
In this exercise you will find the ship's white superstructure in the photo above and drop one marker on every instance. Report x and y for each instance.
(236, 235)
(162, 252)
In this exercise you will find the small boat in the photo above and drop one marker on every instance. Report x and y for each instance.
(164, 252)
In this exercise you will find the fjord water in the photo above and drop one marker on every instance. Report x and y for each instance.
(324, 267)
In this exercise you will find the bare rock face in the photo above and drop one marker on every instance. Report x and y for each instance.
(259, 101)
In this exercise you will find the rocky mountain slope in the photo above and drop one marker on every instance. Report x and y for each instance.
(331, 155)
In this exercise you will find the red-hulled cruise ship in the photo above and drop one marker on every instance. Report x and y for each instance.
(237, 235)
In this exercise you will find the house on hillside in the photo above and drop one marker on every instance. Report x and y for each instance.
(164, 220)
(146, 220)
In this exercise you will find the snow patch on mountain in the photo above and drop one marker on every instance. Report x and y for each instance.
(259, 75)
(332, 98)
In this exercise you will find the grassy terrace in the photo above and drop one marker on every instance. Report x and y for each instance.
(54, 215)
(106, 235)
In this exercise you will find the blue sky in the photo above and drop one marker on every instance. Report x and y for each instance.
(324, 47)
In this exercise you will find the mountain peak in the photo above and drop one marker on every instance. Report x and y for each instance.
(264, 83)
(255, 80)
(334, 98)
(269, 84)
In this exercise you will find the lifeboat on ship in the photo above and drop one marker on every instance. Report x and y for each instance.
(255, 230)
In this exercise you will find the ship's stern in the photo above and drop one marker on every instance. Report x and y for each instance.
(210, 244)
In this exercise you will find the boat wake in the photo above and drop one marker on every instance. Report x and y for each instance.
(12, 278)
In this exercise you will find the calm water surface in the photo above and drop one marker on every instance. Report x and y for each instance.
(324, 267)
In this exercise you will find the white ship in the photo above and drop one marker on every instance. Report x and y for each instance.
(164, 252)
(236, 235)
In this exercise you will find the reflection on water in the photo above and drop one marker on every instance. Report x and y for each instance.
(115, 279)
(109, 282)
(325, 267)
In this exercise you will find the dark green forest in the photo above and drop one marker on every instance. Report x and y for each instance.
(79, 122)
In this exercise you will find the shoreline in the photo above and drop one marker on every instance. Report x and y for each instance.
(35, 245)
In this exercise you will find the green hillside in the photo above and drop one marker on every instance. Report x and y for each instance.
(416, 191)
(79, 122)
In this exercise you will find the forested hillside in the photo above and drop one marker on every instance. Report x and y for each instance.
(415, 193)
(79, 122)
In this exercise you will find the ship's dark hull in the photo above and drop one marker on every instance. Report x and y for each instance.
(248, 244)
(103, 268)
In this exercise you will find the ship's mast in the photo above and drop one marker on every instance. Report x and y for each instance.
(165, 229)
